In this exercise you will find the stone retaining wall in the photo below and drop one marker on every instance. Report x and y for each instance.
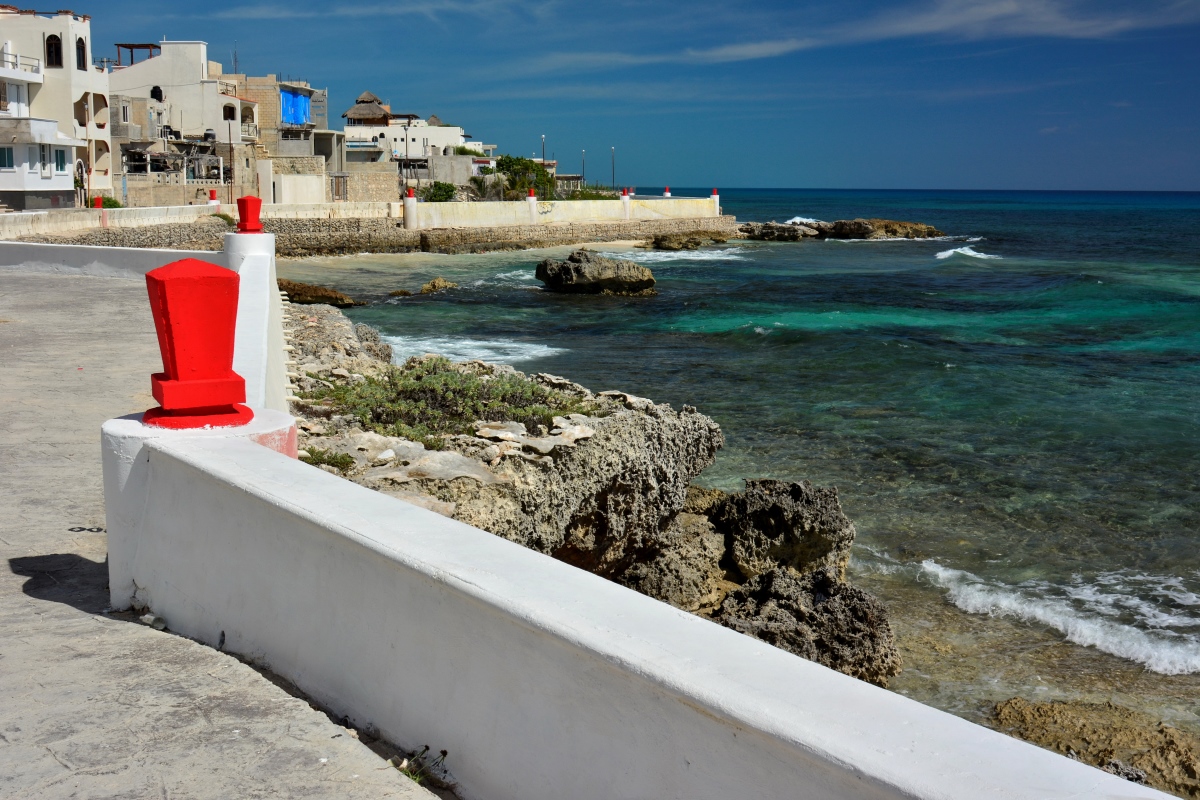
(296, 238)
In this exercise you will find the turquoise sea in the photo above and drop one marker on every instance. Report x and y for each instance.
(1011, 414)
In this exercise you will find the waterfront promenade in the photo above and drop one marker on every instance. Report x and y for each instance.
(99, 706)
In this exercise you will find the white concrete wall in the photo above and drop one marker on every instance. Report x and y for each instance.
(35, 223)
(116, 262)
(488, 215)
(542, 681)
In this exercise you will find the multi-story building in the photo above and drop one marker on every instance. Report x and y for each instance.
(54, 110)
(374, 133)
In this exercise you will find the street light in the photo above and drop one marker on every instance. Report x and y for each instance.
(614, 169)
(583, 177)
(543, 154)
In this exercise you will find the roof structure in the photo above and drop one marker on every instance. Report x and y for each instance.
(368, 107)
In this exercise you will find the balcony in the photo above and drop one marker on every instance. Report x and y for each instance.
(227, 88)
(21, 69)
(249, 131)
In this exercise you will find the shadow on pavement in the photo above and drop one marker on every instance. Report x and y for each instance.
(65, 578)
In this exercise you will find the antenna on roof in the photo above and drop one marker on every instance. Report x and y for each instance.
(235, 61)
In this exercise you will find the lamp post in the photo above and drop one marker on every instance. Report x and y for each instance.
(614, 169)
(543, 155)
(583, 176)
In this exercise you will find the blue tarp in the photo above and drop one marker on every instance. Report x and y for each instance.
(294, 108)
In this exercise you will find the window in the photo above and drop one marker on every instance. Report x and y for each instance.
(60, 160)
(229, 114)
(81, 54)
(53, 51)
(6, 158)
(156, 93)
(124, 113)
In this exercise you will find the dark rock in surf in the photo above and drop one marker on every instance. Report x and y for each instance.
(586, 272)
(310, 294)
(818, 617)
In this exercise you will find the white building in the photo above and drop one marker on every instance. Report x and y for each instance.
(184, 92)
(53, 110)
(374, 133)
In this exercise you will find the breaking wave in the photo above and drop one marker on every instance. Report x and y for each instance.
(1105, 613)
(662, 256)
(802, 221)
(458, 348)
(965, 251)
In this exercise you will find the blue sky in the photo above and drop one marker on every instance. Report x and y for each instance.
(957, 94)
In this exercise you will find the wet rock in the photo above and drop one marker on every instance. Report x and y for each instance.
(777, 232)
(817, 617)
(881, 229)
(586, 272)
(310, 294)
(438, 284)
(400, 293)
(779, 523)
(1128, 743)
(687, 241)
(371, 341)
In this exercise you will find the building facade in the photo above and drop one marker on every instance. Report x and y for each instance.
(54, 110)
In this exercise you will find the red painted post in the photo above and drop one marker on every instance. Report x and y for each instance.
(249, 209)
(212, 194)
(531, 194)
(411, 192)
(714, 192)
(194, 304)
(97, 202)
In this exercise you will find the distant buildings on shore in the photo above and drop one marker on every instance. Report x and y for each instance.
(161, 124)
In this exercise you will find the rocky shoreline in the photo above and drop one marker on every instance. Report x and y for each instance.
(604, 483)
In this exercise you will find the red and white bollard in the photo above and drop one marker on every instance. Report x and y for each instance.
(532, 202)
(212, 198)
(626, 204)
(667, 192)
(716, 203)
(410, 210)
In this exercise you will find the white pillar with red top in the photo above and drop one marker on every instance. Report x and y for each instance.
(410, 210)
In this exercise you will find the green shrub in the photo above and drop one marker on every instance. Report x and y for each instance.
(426, 399)
(463, 150)
(230, 221)
(438, 192)
(111, 202)
(342, 462)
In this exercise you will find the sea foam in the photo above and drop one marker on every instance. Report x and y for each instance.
(458, 348)
(802, 221)
(965, 251)
(662, 256)
(1090, 621)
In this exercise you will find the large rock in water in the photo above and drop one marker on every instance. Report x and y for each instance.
(310, 294)
(881, 229)
(779, 523)
(818, 617)
(586, 272)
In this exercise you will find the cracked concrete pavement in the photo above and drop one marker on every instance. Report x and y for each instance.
(96, 706)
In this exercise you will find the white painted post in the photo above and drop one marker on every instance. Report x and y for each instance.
(532, 202)
(258, 354)
(410, 210)
(716, 203)
(667, 192)
(626, 204)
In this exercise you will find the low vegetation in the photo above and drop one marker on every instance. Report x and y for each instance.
(428, 399)
(230, 221)
(463, 150)
(438, 192)
(342, 462)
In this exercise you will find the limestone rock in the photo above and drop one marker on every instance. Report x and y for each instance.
(819, 618)
(586, 272)
(686, 570)
(778, 523)
(881, 229)
(687, 241)
(777, 232)
(310, 294)
(371, 341)
(438, 284)
(400, 293)
(1128, 743)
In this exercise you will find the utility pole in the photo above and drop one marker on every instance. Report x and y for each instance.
(614, 169)
(583, 177)
(543, 157)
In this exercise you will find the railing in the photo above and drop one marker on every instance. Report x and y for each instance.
(249, 130)
(24, 63)
(227, 87)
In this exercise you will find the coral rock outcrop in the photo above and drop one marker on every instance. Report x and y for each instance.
(586, 272)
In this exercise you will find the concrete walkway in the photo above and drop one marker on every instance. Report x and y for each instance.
(93, 706)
